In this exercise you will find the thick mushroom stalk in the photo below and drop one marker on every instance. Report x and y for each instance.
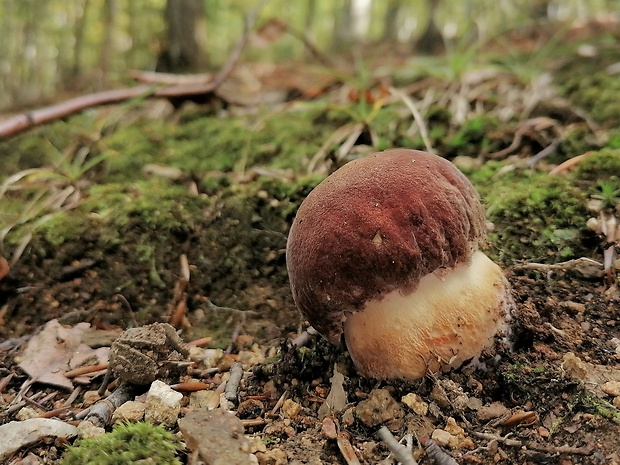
(386, 251)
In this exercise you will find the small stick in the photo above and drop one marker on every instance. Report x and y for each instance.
(437, 454)
(401, 453)
(232, 386)
(72, 397)
(278, 405)
(192, 386)
(54, 413)
(86, 370)
(102, 411)
(203, 341)
(416, 116)
(5, 382)
(347, 450)
(253, 422)
(304, 337)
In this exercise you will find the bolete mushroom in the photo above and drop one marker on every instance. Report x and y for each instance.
(386, 250)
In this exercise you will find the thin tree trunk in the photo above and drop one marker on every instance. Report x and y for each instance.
(182, 52)
(107, 44)
(80, 25)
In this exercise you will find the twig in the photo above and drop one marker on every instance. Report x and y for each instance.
(437, 454)
(401, 453)
(279, 403)
(86, 370)
(504, 440)
(416, 116)
(23, 121)
(544, 152)
(548, 448)
(346, 449)
(102, 411)
(232, 386)
(304, 338)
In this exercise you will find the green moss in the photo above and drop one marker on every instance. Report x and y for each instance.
(596, 93)
(141, 443)
(599, 165)
(536, 216)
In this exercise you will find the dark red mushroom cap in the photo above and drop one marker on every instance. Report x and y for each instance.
(378, 224)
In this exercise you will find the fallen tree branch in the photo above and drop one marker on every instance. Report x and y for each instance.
(27, 120)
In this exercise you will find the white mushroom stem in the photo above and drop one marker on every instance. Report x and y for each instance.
(446, 321)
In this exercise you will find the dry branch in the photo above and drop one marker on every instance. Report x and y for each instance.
(27, 120)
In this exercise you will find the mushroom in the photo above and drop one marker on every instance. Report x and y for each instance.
(386, 250)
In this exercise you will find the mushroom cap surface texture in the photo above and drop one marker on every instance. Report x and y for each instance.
(373, 230)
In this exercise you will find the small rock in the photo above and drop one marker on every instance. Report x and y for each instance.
(415, 403)
(87, 430)
(204, 400)
(611, 388)
(460, 402)
(453, 428)
(256, 444)
(574, 366)
(380, 407)
(280, 428)
(163, 404)
(291, 408)
(492, 411)
(328, 428)
(616, 402)
(218, 437)
(17, 434)
(130, 411)
(26, 413)
(439, 396)
(272, 457)
(443, 438)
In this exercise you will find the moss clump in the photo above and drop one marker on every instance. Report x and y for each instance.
(536, 216)
(141, 443)
(597, 93)
(598, 166)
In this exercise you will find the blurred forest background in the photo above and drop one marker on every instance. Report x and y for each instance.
(53, 49)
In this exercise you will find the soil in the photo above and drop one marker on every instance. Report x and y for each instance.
(558, 313)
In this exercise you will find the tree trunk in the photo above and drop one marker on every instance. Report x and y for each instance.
(343, 26)
(182, 52)
(107, 44)
(80, 25)
(390, 20)
(431, 40)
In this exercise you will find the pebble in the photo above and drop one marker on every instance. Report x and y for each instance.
(87, 430)
(379, 408)
(328, 428)
(26, 413)
(17, 434)
(204, 400)
(130, 411)
(291, 409)
(272, 457)
(415, 403)
(163, 404)
(611, 388)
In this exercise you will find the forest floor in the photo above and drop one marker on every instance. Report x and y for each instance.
(144, 212)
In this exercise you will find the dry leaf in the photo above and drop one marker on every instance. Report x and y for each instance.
(48, 354)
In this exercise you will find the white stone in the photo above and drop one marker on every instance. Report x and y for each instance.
(163, 404)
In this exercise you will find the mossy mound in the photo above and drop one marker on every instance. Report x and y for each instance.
(141, 443)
